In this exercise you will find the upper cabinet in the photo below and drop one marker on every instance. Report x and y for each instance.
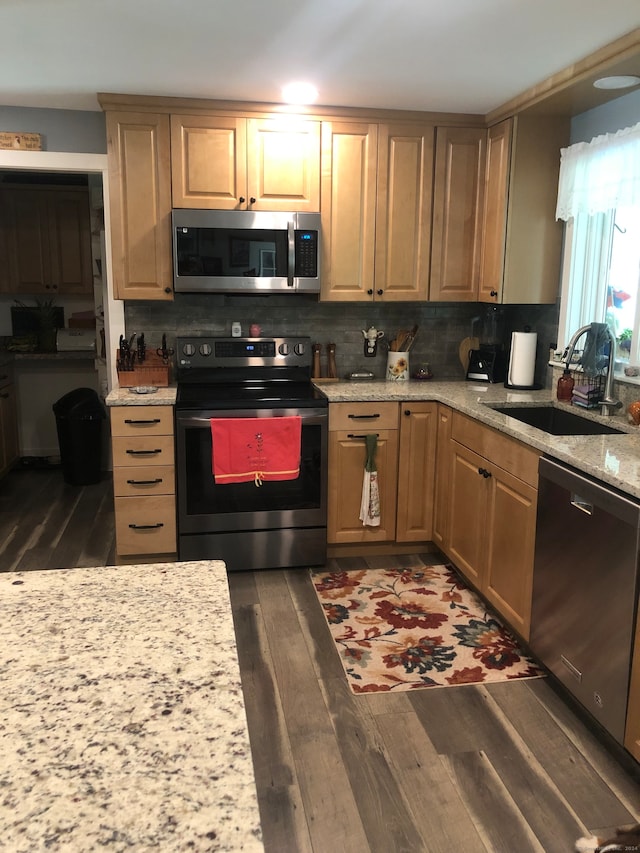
(45, 241)
(138, 146)
(457, 214)
(376, 210)
(522, 241)
(234, 163)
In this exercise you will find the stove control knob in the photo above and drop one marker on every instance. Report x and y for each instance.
(283, 349)
(205, 349)
(300, 349)
(189, 350)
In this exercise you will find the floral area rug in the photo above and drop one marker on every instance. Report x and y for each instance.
(400, 629)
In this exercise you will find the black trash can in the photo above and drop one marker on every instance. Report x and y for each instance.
(79, 415)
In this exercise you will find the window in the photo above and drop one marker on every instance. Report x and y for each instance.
(599, 197)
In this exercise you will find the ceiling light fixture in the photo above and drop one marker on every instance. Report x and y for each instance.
(622, 81)
(299, 93)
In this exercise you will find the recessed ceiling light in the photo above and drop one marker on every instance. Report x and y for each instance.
(299, 93)
(622, 81)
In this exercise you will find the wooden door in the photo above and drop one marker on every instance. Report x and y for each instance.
(283, 164)
(510, 543)
(347, 456)
(70, 241)
(403, 213)
(138, 146)
(442, 479)
(349, 157)
(416, 471)
(209, 161)
(467, 512)
(495, 211)
(457, 214)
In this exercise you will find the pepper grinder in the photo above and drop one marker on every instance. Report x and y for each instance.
(316, 372)
(332, 372)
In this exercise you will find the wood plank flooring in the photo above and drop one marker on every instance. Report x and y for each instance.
(500, 767)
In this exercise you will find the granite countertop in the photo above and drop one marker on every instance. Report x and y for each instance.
(123, 723)
(128, 397)
(614, 459)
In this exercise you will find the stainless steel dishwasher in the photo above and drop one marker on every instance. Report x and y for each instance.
(585, 589)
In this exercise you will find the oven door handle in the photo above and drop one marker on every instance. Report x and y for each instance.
(307, 415)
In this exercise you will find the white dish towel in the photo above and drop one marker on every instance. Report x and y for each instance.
(370, 503)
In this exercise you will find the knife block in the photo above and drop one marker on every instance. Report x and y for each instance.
(152, 371)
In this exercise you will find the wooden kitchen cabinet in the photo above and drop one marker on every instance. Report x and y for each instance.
(376, 211)
(348, 424)
(138, 146)
(227, 162)
(522, 242)
(457, 214)
(416, 471)
(492, 516)
(442, 478)
(144, 479)
(9, 450)
(632, 731)
(46, 241)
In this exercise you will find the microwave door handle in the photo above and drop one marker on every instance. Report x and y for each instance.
(291, 265)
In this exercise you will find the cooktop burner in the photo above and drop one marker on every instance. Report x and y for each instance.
(228, 373)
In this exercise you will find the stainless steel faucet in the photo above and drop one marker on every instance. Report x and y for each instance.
(608, 402)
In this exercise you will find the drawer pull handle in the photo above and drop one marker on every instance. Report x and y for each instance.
(363, 417)
(144, 482)
(361, 437)
(146, 526)
(142, 423)
(143, 452)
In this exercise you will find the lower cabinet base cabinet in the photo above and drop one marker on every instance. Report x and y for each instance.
(492, 517)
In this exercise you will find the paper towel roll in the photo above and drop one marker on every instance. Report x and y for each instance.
(522, 362)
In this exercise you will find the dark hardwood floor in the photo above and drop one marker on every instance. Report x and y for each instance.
(502, 767)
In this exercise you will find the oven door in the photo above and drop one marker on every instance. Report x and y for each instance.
(279, 523)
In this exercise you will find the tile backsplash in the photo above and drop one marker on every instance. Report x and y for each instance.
(442, 326)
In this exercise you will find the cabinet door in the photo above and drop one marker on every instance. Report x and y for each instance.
(511, 525)
(457, 214)
(495, 211)
(443, 476)
(416, 471)
(467, 512)
(26, 224)
(138, 146)
(347, 456)
(283, 164)
(70, 241)
(349, 156)
(208, 162)
(9, 451)
(403, 217)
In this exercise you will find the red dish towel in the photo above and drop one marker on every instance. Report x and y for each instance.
(255, 449)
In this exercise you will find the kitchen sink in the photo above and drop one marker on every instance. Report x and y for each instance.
(556, 421)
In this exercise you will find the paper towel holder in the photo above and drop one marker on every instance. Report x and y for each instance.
(534, 386)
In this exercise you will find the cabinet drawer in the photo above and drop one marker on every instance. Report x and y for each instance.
(142, 450)
(363, 417)
(134, 420)
(141, 480)
(508, 453)
(146, 525)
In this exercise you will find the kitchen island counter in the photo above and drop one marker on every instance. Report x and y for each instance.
(614, 458)
(123, 722)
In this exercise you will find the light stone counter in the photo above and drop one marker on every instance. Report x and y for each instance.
(127, 397)
(615, 459)
(122, 722)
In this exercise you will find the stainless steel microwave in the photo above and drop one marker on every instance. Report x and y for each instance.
(243, 251)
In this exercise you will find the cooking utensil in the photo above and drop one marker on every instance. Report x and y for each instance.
(164, 352)
(466, 345)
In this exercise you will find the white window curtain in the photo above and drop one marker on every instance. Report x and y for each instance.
(600, 175)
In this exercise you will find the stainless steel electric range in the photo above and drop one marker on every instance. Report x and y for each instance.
(278, 523)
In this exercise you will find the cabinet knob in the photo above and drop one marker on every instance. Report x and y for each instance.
(370, 292)
(407, 411)
(484, 472)
(379, 292)
(252, 200)
(167, 290)
(493, 293)
(242, 199)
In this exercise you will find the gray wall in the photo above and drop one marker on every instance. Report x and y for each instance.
(623, 112)
(74, 131)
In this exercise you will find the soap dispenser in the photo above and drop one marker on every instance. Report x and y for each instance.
(564, 389)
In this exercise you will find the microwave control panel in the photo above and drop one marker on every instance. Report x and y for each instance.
(306, 250)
